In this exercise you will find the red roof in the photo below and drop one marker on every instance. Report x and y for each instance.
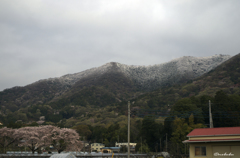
(214, 131)
(211, 140)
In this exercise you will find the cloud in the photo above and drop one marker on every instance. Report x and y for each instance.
(41, 38)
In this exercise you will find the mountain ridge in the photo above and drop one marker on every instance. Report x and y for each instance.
(180, 65)
(134, 79)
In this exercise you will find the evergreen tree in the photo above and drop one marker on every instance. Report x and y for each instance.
(150, 132)
(181, 127)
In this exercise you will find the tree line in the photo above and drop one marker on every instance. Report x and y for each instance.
(149, 133)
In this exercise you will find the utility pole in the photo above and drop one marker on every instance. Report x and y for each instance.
(118, 145)
(160, 145)
(166, 142)
(128, 129)
(84, 143)
(210, 116)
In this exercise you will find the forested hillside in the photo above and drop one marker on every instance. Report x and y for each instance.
(118, 81)
(97, 107)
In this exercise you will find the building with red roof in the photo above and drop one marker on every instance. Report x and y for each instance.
(214, 142)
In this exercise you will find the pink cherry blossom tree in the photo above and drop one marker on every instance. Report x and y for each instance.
(66, 139)
(6, 137)
(43, 136)
(34, 137)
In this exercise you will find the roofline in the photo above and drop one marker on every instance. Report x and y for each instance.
(206, 141)
(214, 135)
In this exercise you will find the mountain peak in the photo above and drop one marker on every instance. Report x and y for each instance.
(112, 79)
(152, 75)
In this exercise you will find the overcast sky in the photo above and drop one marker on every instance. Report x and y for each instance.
(40, 39)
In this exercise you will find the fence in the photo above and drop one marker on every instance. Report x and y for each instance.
(93, 155)
(78, 155)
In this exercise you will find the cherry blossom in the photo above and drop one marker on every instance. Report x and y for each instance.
(6, 137)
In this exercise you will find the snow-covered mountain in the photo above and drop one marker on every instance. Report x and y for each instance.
(184, 68)
(115, 80)
(181, 69)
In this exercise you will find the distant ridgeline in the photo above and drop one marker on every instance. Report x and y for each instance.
(108, 85)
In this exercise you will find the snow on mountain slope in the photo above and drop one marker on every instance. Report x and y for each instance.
(153, 75)
(173, 71)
